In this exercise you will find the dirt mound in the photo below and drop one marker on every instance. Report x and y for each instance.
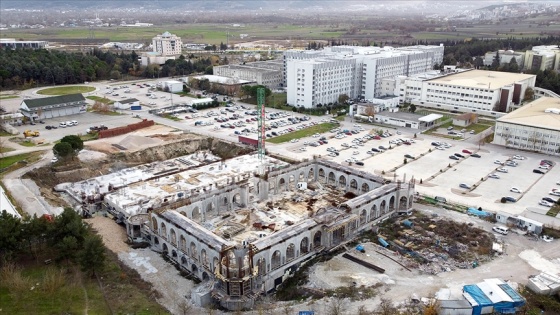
(135, 142)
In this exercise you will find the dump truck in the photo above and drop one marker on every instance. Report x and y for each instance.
(29, 133)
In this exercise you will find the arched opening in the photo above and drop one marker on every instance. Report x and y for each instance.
(156, 240)
(237, 200)
(403, 203)
(365, 187)
(165, 249)
(304, 246)
(224, 201)
(332, 179)
(196, 214)
(342, 181)
(173, 254)
(392, 203)
(354, 184)
(183, 260)
(182, 244)
(194, 269)
(301, 177)
(410, 202)
(321, 176)
(339, 235)
(193, 252)
(290, 252)
(291, 182)
(215, 264)
(363, 217)
(204, 258)
(275, 260)
(383, 207)
(163, 231)
(205, 276)
(317, 239)
(310, 175)
(173, 237)
(281, 185)
(154, 225)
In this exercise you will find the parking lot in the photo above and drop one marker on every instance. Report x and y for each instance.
(428, 164)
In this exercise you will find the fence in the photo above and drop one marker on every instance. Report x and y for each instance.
(126, 129)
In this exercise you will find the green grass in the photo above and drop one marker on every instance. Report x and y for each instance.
(320, 128)
(64, 90)
(478, 128)
(5, 97)
(27, 143)
(5, 134)
(171, 117)
(108, 113)
(103, 100)
(553, 212)
(6, 149)
(11, 160)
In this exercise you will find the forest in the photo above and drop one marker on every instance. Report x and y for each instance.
(22, 69)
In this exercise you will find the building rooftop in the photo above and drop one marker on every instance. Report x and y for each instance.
(534, 114)
(222, 80)
(54, 100)
(401, 115)
(482, 79)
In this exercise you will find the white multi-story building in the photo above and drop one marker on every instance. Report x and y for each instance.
(505, 57)
(534, 127)
(543, 58)
(167, 44)
(480, 91)
(320, 77)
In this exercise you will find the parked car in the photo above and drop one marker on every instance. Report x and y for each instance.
(548, 199)
(502, 170)
(500, 229)
(538, 171)
(545, 203)
(360, 163)
(498, 162)
(408, 156)
(453, 157)
(494, 175)
(554, 192)
(476, 155)
(518, 157)
(459, 155)
(515, 190)
(510, 199)
(463, 185)
(467, 151)
(544, 166)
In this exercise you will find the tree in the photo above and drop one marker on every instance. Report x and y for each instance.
(63, 149)
(386, 307)
(513, 66)
(76, 142)
(343, 98)
(10, 235)
(412, 108)
(529, 94)
(92, 256)
(67, 248)
(496, 61)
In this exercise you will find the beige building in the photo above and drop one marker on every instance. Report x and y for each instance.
(267, 73)
(167, 44)
(477, 91)
(543, 58)
(534, 127)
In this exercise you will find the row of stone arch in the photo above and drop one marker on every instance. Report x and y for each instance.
(292, 252)
(291, 181)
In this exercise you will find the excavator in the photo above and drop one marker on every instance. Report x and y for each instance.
(29, 133)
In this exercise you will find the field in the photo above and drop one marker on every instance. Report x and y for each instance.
(213, 33)
(64, 90)
(5, 97)
(320, 128)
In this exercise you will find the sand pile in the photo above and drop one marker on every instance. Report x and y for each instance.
(133, 142)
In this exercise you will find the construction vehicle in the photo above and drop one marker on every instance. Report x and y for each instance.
(29, 133)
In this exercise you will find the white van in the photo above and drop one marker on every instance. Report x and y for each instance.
(500, 229)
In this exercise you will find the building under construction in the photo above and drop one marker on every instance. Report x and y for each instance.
(240, 230)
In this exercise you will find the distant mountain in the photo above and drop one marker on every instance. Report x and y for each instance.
(215, 5)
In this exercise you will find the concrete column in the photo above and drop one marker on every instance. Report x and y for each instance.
(244, 194)
(263, 189)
